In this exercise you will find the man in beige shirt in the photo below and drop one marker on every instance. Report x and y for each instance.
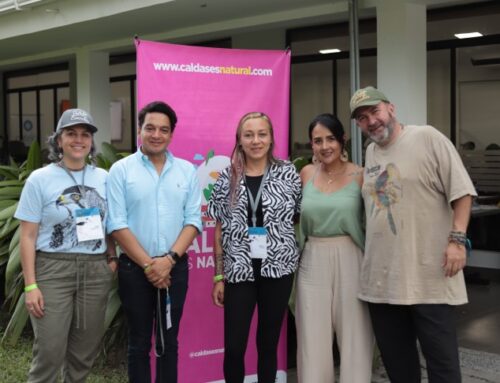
(417, 197)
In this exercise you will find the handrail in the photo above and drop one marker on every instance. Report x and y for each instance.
(8, 5)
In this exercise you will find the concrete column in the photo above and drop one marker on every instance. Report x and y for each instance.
(93, 91)
(72, 81)
(402, 57)
(3, 129)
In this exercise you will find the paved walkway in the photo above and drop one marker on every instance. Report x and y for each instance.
(477, 367)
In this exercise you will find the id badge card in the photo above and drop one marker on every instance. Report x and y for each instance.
(168, 310)
(88, 224)
(258, 242)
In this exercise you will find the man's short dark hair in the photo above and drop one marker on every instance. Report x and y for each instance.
(158, 107)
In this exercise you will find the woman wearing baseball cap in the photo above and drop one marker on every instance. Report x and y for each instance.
(67, 263)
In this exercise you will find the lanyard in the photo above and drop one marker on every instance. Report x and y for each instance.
(255, 202)
(162, 295)
(81, 187)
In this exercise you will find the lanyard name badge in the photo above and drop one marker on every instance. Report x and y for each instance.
(257, 235)
(168, 311)
(88, 220)
(160, 325)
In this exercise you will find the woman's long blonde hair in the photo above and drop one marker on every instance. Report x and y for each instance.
(238, 159)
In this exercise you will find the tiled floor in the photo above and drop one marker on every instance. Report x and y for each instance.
(478, 322)
(478, 327)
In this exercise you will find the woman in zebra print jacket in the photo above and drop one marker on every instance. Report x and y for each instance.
(254, 202)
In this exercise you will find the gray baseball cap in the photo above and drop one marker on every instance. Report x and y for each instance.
(72, 117)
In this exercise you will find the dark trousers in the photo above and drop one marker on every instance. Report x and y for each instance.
(397, 329)
(139, 301)
(270, 295)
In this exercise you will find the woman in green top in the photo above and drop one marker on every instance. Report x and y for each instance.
(327, 281)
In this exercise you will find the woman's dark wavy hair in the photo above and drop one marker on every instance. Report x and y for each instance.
(330, 122)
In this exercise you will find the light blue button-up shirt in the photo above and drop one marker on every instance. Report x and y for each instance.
(155, 208)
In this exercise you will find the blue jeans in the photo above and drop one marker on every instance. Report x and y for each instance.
(139, 302)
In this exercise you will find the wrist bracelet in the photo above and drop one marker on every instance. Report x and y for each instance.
(31, 287)
(218, 278)
(171, 259)
(146, 267)
(458, 239)
(468, 244)
(174, 256)
(456, 242)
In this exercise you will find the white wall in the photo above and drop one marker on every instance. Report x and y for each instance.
(368, 76)
(311, 95)
(120, 92)
(478, 95)
(438, 90)
(478, 111)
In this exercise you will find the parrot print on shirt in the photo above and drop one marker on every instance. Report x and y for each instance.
(385, 192)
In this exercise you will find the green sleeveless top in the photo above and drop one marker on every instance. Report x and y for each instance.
(333, 214)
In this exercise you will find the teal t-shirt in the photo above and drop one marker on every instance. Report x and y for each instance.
(333, 214)
(50, 198)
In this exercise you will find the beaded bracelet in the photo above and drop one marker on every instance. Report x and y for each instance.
(458, 234)
(456, 241)
(459, 238)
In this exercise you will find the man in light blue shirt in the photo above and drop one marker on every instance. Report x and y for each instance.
(154, 203)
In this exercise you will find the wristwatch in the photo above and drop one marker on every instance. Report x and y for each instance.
(175, 257)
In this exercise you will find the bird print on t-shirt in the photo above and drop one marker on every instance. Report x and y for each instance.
(386, 191)
(70, 200)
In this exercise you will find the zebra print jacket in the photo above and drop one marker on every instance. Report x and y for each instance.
(281, 198)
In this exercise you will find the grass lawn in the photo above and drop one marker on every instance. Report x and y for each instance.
(15, 362)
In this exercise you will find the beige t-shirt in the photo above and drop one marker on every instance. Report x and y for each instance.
(408, 187)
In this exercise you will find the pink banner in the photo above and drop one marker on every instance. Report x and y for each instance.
(211, 89)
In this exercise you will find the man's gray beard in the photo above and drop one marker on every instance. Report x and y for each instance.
(386, 135)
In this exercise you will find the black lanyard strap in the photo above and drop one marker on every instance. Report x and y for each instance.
(81, 187)
(254, 202)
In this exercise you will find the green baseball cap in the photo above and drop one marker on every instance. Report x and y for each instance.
(366, 97)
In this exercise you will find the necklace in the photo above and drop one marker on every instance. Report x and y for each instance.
(332, 175)
(62, 165)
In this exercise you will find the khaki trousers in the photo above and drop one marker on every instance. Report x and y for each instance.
(75, 289)
(327, 304)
